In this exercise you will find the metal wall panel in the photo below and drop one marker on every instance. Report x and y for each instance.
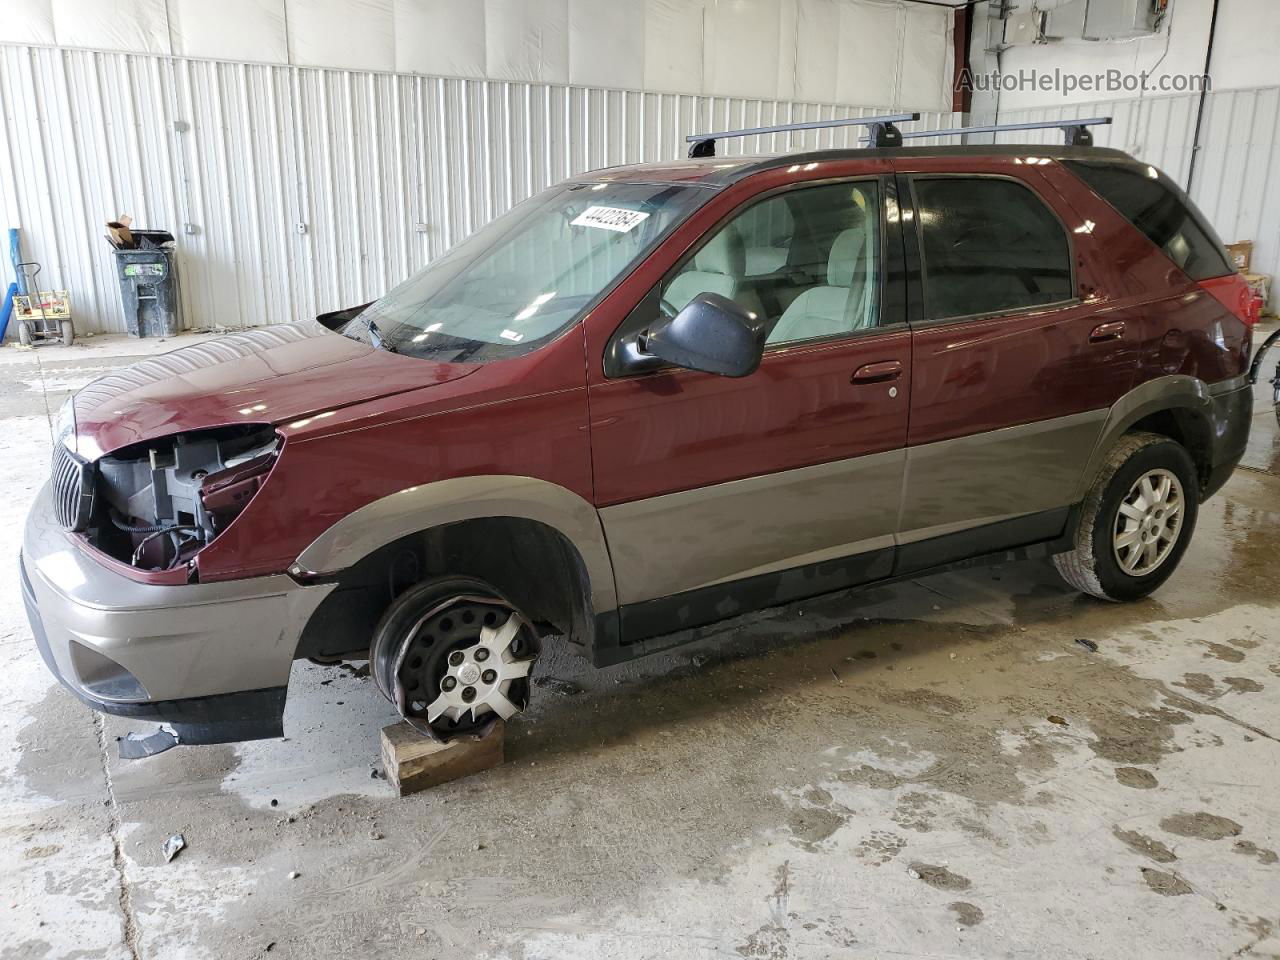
(294, 190)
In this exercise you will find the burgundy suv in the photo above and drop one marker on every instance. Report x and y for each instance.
(647, 399)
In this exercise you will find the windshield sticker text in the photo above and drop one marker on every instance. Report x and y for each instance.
(610, 218)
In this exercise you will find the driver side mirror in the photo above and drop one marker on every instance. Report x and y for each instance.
(712, 334)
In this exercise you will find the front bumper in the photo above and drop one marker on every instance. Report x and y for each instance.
(212, 659)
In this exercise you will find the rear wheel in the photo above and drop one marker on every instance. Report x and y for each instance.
(1136, 520)
(24, 333)
(67, 332)
(454, 657)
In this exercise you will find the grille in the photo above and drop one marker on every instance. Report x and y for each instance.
(72, 489)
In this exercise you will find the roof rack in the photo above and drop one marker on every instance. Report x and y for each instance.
(883, 131)
(1077, 131)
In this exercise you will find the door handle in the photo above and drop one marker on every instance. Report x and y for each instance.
(1107, 331)
(881, 372)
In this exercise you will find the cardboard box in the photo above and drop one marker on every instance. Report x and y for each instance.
(1260, 287)
(1241, 254)
(118, 232)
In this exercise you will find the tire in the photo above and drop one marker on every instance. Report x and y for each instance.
(24, 333)
(428, 624)
(1095, 565)
(68, 332)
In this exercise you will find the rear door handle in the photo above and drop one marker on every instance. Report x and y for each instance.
(1107, 331)
(881, 372)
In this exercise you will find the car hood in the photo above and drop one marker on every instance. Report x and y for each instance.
(271, 375)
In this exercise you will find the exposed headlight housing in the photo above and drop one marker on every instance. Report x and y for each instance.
(162, 501)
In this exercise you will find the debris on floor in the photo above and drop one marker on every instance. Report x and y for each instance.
(135, 746)
(565, 688)
(173, 845)
(1166, 884)
(1088, 644)
(936, 876)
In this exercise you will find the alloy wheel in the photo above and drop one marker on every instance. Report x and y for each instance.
(1148, 522)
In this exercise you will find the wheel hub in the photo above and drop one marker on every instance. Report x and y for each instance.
(1148, 522)
(478, 678)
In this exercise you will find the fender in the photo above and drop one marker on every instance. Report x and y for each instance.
(1176, 392)
(442, 502)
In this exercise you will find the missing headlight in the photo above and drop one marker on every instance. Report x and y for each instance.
(162, 501)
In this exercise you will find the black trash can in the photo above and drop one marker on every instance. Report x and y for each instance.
(148, 285)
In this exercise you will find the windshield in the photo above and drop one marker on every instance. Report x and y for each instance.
(514, 285)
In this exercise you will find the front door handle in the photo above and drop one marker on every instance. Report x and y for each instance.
(1107, 331)
(881, 372)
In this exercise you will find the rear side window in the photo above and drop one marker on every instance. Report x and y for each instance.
(1147, 201)
(989, 246)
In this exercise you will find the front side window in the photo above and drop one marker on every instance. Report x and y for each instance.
(989, 246)
(807, 260)
(518, 282)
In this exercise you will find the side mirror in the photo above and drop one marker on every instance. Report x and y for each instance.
(712, 334)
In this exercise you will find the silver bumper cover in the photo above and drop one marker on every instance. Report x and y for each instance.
(121, 645)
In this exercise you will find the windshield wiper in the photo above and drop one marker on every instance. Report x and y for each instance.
(377, 339)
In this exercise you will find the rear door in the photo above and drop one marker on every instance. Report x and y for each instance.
(784, 483)
(1014, 362)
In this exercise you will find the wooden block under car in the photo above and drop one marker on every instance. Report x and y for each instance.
(413, 763)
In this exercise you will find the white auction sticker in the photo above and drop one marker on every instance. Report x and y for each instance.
(610, 218)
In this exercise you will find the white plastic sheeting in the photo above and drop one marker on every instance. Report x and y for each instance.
(199, 28)
(292, 190)
(841, 51)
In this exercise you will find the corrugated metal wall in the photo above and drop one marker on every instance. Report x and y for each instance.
(1234, 180)
(307, 190)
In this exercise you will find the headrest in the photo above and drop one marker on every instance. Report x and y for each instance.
(724, 253)
(846, 257)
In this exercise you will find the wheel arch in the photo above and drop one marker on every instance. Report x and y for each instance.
(537, 543)
(1179, 407)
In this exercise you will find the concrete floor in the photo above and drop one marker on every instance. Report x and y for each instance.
(935, 769)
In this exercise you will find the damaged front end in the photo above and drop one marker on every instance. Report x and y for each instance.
(154, 505)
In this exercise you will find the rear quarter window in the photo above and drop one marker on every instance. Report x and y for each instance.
(1149, 201)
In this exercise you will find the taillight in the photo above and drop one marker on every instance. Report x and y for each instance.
(1235, 294)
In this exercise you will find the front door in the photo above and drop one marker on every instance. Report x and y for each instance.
(778, 485)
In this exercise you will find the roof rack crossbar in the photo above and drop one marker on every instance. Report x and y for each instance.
(883, 131)
(1077, 131)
